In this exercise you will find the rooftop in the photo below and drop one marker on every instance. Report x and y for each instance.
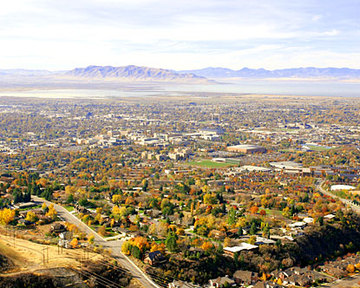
(242, 246)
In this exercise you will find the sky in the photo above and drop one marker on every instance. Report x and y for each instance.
(179, 34)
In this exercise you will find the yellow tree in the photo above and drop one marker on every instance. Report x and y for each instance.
(207, 246)
(350, 268)
(31, 216)
(102, 231)
(125, 248)
(6, 216)
(116, 199)
(227, 242)
(74, 242)
(91, 239)
(52, 213)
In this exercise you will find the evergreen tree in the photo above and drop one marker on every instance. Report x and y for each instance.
(232, 216)
(170, 242)
(253, 229)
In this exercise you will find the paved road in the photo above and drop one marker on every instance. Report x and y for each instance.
(347, 202)
(115, 246)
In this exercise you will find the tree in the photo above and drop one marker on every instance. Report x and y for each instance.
(126, 247)
(27, 196)
(116, 199)
(180, 231)
(168, 210)
(253, 229)
(252, 240)
(135, 251)
(220, 249)
(320, 220)
(170, 242)
(52, 213)
(350, 268)
(236, 259)
(207, 246)
(6, 216)
(44, 207)
(31, 217)
(70, 199)
(152, 229)
(99, 218)
(74, 242)
(102, 231)
(227, 242)
(119, 212)
(141, 243)
(254, 209)
(145, 185)
(210, 198)
(91, 239)
(232, 216)
(157, 247)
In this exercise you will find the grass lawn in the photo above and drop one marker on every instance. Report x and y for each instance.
(110, 233)
(273, 212)
(319, 148)
(69, 208)
(30, 208)
(288, 150)
(209, 164)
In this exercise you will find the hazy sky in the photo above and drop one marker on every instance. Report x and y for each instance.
(179, 34)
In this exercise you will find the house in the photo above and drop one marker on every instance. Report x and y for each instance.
(299, 280)
(25, 205)
(262, 241)
(236, 249)
(247, 149)
(220, 282)
(267, 284)
(122, 231)
(155, 258)
(245, 277)
(64, 239)
(57, 228)
(194, 251)
(336, 271)
(182, 284)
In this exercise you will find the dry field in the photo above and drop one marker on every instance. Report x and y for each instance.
(28, 256)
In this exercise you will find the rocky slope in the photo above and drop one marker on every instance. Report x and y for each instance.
(131, 72)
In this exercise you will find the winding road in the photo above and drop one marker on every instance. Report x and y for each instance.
(347, 202)
(115, 246)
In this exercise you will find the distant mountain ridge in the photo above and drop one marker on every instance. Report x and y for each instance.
(131, 72)
(308, 72)
(141, 73)
(25, 72)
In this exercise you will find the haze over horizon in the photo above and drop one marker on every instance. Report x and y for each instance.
(38, 34)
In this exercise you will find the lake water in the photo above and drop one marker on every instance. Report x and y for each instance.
(120, 90)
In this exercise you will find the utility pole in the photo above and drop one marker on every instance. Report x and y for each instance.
(43, 256)
(14, 235)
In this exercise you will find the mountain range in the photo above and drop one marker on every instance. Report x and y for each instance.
(131, 72)
(308, 72)
(140, 73)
